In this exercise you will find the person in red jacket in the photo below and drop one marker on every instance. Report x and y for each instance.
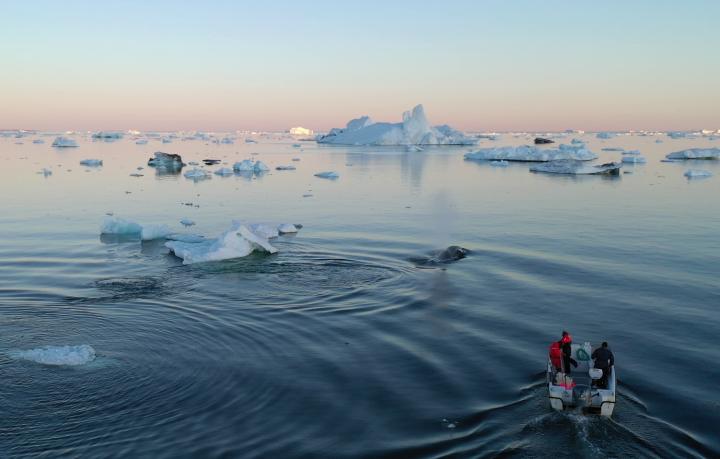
(556, 355)
(560, 353)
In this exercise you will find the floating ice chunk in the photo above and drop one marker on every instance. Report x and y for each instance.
(262, 230)
(633, 159)
(197, 174)
(224, 171)
(301, 131)
(191, 238)
(166, 161)
(605, 135)
(658, 141)
(107, 135)
(577, 142)
(696, 153)
(632, 152)
(235, 243)
(286, 228)
(227, 141)
(697, 173)
(141, 142)
(166, 140)
(186, 222)
(413, 130)
(193, 163)
(91, 162)
(573, 167)
(612, 149)
(38, 141)
(501, 163)
(250, 141)
(412, 148)
(246, 165)
(677, 134)
(150, 232)
(57, 355)
(296, 145)
(119, 226)
(531, 154)
(260, 166)
(135, 174)
(285, 168)
(296, 159)
(328, 175)
(64, 142)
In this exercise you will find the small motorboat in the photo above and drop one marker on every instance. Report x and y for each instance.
(582, 388)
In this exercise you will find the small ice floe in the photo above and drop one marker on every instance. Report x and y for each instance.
(169, 161)
(248, 165)
(288, 167)
(119, 226)
(187, 222)
(529, 153)
(91, 162)
(64, 142)
(250, 140)
(605, 135)
(677, 134)
(697, 173)
(413, 148)
(197, 174)
(286, 228)
(577, 142)
(328, 175)
(658, 141)
(45, 172)
(612, 149)
(296, 145)
(210, 162)
(631, 152)
(237, 242)
(224, 171)
(57, 355)
(227, 141)
(136, 174)
(633, 159)
(296, 159)
(193, 163)
(107, 135)
(141, 142)
(166, 140)
(413, 130)
(571, 167)
(696, 153)
(38, 141)
(501, 163)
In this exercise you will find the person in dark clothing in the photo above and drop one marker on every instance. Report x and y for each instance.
(566, 346)
(604, 360)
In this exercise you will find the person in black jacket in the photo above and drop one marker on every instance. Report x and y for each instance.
(604, 360)
(566, 346)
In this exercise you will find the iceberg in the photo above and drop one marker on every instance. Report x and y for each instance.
(697, 173)
(91, 162)
(166, 161)
(328, 175)
(260, 167)
(119, 226)
(573, 167)
(64, 142)
(248, 165)
(57, 355)
(287, 228)
(107, 135)
(529, 153)
(235, 243)
(696, 153)
(224, 171)
(633, 159)
(150, 232)
(197, 174)
(413, 130)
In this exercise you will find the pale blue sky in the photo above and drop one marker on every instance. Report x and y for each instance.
(268, 65)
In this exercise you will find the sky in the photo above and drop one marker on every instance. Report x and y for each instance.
(477, 65)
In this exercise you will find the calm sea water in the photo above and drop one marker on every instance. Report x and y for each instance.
(341, 345)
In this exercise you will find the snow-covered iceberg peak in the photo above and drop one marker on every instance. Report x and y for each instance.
(57, 355)
(413, 130)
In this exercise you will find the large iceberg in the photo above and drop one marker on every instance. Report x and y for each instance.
(64, 142)
(57, 355)
(696, 153)
(413, 130)
(573, 167)
(530, 153)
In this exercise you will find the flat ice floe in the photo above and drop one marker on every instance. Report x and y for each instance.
(697, 173)
(57, 355)
(572, 167)
(91, 162)
(413, 130)
(528, 153)
(237, 242)
(696, 153)
(64, 142)
(328, 175)
(634, 159)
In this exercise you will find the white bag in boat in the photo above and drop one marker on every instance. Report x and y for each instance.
(595, 373)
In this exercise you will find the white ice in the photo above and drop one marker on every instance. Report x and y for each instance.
(224, 171)
(64, 142)
(151, 232)
(413, 130)
(531, 154)
(119, 226)
(286, 228)
(301, 131)
(234, 243)
(696, 153)
(57, 355)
